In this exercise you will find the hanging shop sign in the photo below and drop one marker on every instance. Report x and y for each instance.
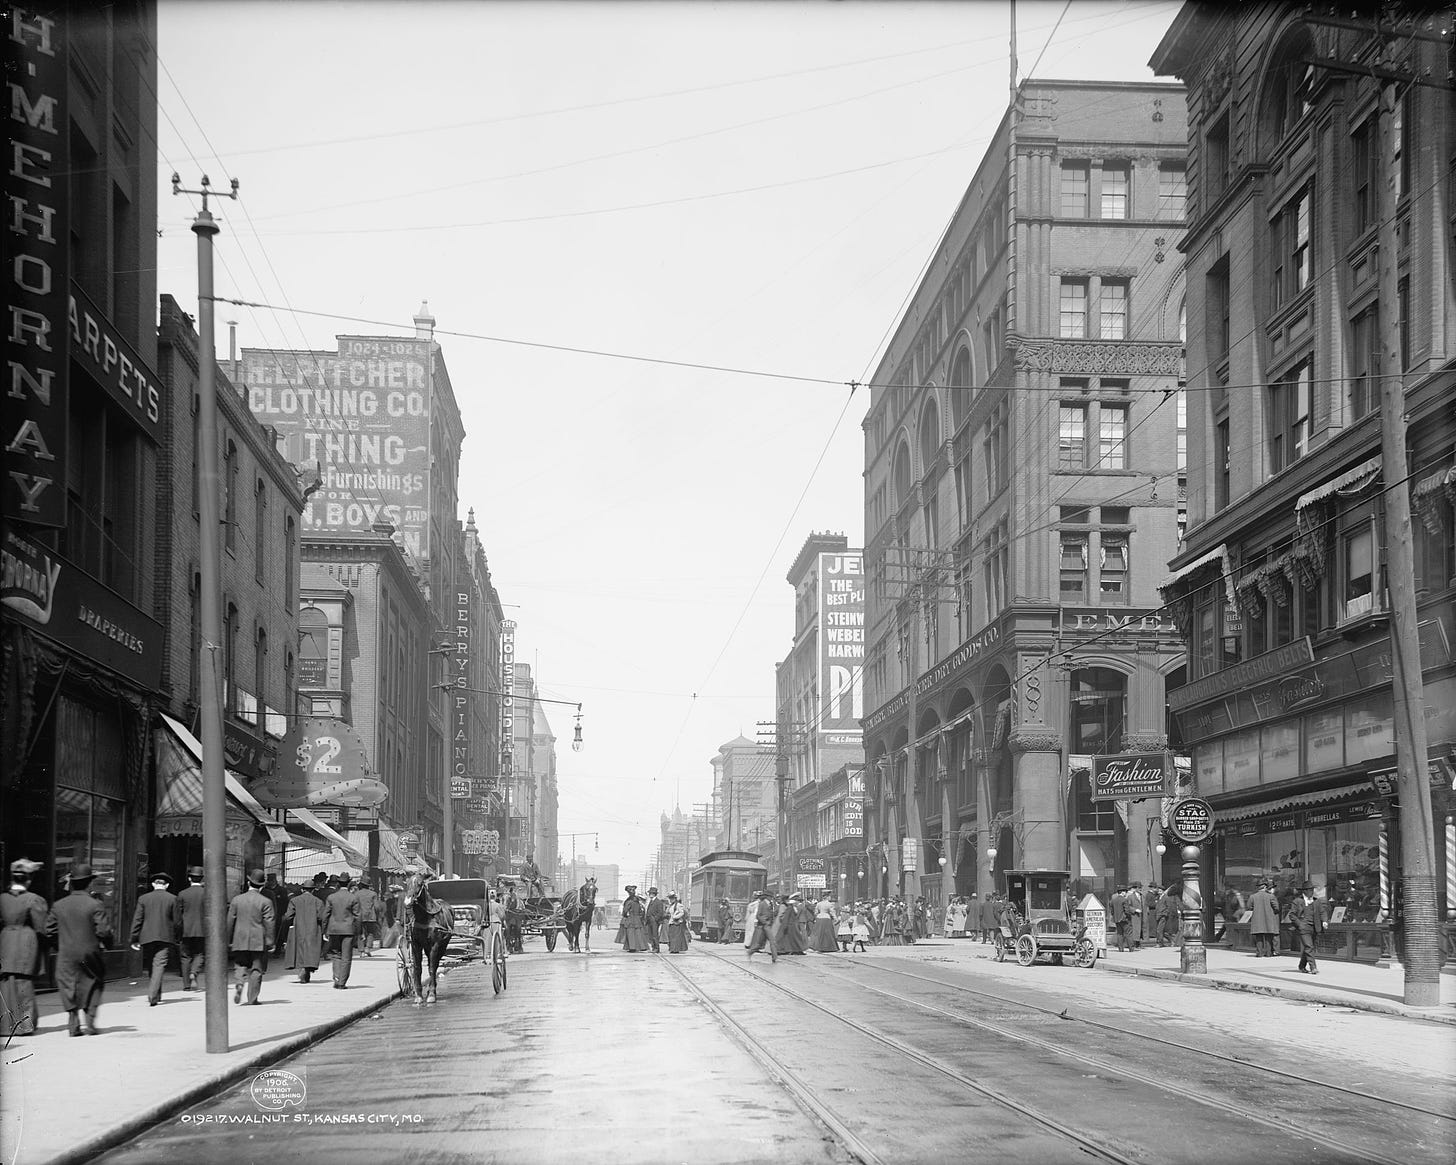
(459, 694)
(1192, 820)
(810, 874)
(480, 842)
(1132, 776)
(323, 761)
(508, 702)
(910, 854)
(459, 788)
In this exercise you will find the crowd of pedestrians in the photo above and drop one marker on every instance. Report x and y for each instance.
(330, 918)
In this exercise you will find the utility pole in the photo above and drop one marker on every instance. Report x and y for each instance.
(1417, 822)
(214, 789)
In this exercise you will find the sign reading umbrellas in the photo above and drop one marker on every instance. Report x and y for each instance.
(322, 762)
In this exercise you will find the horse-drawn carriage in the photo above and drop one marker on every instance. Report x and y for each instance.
(549, 917)
(1036, 923)
(443, 915)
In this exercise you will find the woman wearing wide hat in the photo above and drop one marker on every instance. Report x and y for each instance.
(632, 934)
(81, 925)
(22, 922)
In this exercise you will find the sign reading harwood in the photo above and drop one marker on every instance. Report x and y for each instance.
(1131, 775)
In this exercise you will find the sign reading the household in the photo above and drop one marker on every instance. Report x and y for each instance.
(363, 416)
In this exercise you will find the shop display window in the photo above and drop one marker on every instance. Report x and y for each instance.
(1345, 867)
(88, 829)
(1250, 858)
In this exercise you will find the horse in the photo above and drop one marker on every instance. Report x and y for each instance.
(431, 923)
(577, 908)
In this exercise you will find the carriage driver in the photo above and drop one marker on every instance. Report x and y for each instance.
(531, 877)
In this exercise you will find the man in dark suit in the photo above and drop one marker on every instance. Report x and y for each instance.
(341, 924)
(81, 926)
(1307, 917)
(250, 925)
(305, 916)
(156, 928)
(656, 912)
(761, 915)
(368, 915)
(193, 901)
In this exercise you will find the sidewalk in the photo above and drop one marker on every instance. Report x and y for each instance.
(65, 1099)
(1360, 986)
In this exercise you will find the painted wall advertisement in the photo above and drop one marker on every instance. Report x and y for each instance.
(841, 648)
(363, 416)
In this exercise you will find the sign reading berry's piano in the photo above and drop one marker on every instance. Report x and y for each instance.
(1132, 775)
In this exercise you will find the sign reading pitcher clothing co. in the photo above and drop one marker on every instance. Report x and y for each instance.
(1131, 775)
(363, 415)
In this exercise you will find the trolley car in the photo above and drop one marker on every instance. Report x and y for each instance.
(732, 874)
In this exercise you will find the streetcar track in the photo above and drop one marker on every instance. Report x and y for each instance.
(760, 1052)
(1102, 1065)
(1142, 1035)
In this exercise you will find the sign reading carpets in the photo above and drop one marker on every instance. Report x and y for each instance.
(508, 703)
(841, 648)
(459, 695)
(35, 343)
(363, 416)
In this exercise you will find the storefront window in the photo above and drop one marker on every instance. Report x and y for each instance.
(88, 829)
(1098, 699)
(1345, 865)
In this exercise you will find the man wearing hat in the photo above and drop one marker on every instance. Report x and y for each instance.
(1264, 921)
(80, 924)
(725, 921)
(305, 918)
(368, 915)
(1307, 915)
(22, 922)
(341, 924)
(762, 911)
(250, 926)
(656, 915)
(193, 903)
(155, 929)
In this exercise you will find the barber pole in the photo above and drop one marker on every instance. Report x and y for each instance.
(1384, 872)
(1450, 866)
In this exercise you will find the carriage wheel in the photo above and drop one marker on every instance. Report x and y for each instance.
(1085, 954)
(405, 971)
(549, 933)
(1000, 949)
(498, 965)
(1026, 950)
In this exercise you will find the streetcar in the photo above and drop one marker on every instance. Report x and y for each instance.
(733, 874)
(1037, 923)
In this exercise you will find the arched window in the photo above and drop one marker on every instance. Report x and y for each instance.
(929, 433)
(903, 475)
(960, 387)
(1288, 89)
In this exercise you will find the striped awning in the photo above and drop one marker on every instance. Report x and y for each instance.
(1352, 479)
(1301, 801)
(180, 792)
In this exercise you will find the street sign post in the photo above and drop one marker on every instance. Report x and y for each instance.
(1192, 822)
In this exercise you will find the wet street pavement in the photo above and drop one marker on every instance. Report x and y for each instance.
(908, 1055)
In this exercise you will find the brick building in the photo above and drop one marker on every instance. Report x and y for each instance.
(1022, 495)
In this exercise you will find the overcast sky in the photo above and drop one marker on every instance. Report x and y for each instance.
(753, 187)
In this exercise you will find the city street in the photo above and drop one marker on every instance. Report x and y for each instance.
(926, 1053)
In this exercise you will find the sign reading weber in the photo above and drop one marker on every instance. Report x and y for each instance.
(1132, 775)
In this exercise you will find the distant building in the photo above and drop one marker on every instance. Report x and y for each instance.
(1023, 489)
(744, 796)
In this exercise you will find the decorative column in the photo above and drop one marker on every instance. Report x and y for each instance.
(1192, 956)
(1037, 781)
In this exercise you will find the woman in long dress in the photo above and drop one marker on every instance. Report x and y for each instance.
(677, 926)
(894, 918)
(632, 934)
(822, 938)
(790, 935)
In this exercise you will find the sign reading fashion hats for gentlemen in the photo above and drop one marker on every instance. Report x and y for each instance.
(1192, 820)
(1132, 775)
(322, 761)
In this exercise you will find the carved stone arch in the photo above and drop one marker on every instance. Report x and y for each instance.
(1285, 89)
(928, 430)
(902, 471)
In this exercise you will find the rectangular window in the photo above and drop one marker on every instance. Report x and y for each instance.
(1216, 157)
(963, 492)
(1075, 186)
(1434, 544)
(1114, 567)
(1172, 190)
(1074, 567)
(1116, 180)
(996, 571)
(1205, 640)
(1365, 362)
(1403, 305)
(1112, 437)
(1289, 418)
(1289, 238)
(1217, 295)
(1072, 436)
(289, 571)
(260, 532)
(1112, 309)
(1365, 174)
(994, 445)
(1221, 464)
(1073, 309)
(230, 497)
(1182, 453)
(1359, 570)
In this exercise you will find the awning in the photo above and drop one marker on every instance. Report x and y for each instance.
(391, 852)
(301, 867)
(956, 721)
(1362, 475)
(1429, 484)
(179, 802)
(329, 833)
(1219, 553)
(1302, 801)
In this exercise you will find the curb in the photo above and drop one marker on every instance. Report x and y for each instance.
(1292, 993)
(132, 1126)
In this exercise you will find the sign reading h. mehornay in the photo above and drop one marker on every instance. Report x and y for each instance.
(363, 416)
